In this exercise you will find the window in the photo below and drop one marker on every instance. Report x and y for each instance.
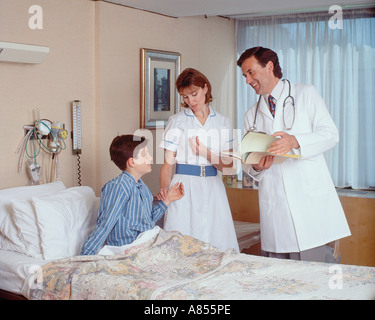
(339, 62)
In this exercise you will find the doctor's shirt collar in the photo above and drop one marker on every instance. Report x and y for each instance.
(276, 92)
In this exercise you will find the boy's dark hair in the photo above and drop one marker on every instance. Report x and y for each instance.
(263, 55)
(125, 147)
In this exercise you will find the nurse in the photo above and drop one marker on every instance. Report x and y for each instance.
(192, 139)
(300, 211)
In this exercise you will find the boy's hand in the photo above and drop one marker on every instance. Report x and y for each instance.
(162, 195)
(176, 192)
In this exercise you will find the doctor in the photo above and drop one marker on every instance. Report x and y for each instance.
(300, 211)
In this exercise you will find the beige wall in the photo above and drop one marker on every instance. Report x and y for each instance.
(95, 57)
(66, 74)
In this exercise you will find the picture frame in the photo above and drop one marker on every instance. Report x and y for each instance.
(159, 96)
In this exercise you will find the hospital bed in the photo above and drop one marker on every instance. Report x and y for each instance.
(42, 229)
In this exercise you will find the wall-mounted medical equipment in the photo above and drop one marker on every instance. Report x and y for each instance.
(77, 134)
(22, 53)
(77, 127)
(42, 136)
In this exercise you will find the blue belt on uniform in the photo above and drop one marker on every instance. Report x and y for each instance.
(199, 171)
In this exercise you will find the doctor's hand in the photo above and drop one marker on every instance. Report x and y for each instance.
(264, 163)
(283, 145)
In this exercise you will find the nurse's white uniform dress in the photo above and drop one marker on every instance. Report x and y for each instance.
(204, 211)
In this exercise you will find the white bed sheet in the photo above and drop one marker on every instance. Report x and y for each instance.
(15, 268)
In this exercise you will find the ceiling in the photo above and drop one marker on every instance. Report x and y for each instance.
(237, 8)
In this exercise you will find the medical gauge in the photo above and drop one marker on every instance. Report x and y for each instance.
(77, 134)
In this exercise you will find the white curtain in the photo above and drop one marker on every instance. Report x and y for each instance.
(340, 63)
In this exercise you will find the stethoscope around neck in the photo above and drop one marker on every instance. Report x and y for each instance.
(288, 99)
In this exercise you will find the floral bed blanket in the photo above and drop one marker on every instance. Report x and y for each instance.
(169, 265)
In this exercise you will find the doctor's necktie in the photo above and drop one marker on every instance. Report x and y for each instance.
(272, 105)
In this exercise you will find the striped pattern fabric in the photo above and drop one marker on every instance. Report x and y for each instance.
(125, 211)
(272, 105)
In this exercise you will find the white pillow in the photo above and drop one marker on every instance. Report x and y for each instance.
(10, 245)
(9, 239)
(26, 222)
(65, 220)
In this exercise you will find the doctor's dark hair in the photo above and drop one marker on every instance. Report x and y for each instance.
(193, 77)
(263, 55)
(125, 147)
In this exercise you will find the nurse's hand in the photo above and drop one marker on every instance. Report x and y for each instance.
(283, 145)
(199, 148)
(176, 192)
(264, 163)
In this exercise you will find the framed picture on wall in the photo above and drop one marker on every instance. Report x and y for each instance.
(159, 97)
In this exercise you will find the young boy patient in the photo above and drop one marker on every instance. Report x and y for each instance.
(126, 202)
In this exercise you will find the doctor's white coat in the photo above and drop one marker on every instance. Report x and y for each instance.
(299, 205)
